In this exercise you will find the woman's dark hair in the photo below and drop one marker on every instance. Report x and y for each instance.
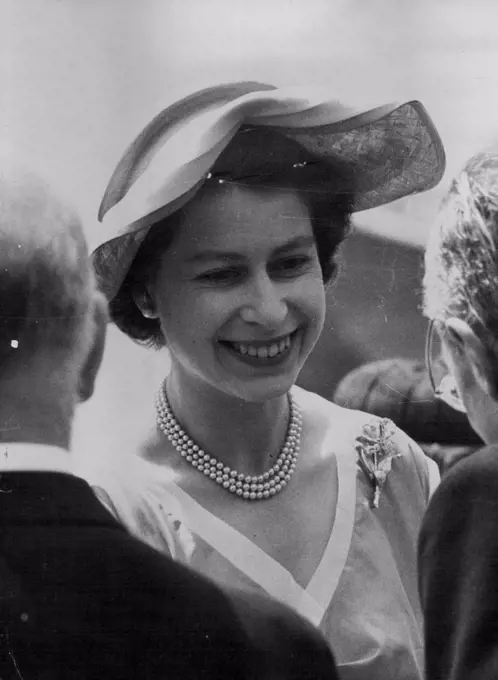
(253, 159)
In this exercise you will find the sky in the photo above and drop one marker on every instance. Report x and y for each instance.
(80, 78)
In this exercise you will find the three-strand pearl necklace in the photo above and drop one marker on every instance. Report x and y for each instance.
(257, 487)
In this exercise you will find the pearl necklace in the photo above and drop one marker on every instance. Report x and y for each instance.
(257, 487)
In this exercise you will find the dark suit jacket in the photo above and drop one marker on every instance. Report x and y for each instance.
(458, 567)
(81, 598)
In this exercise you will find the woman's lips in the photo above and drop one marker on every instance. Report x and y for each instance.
(262, 352)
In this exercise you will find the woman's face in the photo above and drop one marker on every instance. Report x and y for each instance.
(239, 293)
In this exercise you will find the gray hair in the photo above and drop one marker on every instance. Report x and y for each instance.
(46, 281)
(461, 260)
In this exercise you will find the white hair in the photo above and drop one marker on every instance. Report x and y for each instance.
(461, 259)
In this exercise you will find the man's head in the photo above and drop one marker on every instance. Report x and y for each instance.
(461, 292)
(52, 321)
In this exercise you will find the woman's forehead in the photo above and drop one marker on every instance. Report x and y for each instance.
(230, 216)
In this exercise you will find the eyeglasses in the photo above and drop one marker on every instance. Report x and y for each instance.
(442, 382)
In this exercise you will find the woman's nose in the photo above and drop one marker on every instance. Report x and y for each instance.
(265, 304)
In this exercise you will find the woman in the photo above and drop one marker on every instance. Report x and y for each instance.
(459, 544)
(227, 212)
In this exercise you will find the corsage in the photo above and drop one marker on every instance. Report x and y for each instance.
(376, 452)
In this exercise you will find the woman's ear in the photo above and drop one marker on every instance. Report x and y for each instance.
(143, 300)
(464, 343)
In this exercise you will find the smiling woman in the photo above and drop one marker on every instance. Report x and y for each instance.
(225, 215)
(258, 283)
(259, 159)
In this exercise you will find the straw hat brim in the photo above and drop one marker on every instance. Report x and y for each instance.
(392, 150)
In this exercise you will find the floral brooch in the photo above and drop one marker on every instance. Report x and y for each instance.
(376, 452)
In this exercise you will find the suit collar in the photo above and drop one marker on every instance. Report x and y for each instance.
(35, 498)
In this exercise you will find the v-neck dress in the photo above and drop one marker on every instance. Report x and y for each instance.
(363, 595)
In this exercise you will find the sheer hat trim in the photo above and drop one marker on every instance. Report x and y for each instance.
(391, 151)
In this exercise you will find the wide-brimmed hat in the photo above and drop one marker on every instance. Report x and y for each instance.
(391, 151)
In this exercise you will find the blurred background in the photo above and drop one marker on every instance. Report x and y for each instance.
(80, 78)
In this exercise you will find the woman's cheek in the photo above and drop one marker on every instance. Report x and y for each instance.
(313, 295)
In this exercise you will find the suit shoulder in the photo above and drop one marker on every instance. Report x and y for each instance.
(477, 472)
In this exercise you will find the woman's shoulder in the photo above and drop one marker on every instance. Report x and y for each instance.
(317, 408)
(351, 421)
(139, 495)
(358, 431)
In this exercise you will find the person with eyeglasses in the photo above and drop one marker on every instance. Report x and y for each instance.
(458, 546)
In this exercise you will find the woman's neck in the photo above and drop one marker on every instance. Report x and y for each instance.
(245, 436)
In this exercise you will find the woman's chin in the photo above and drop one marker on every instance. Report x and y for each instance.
(258, 393)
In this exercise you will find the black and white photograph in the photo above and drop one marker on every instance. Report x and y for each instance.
(248, 340)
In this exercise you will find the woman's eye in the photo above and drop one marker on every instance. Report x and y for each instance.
(291, 265)
(221, 276)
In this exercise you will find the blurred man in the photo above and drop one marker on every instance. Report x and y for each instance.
(80, 598)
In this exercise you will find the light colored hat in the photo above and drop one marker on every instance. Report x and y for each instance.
(391, 151)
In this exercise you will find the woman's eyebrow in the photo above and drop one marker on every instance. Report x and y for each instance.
(210, 255)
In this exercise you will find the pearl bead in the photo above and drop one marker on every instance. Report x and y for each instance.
(252, 487)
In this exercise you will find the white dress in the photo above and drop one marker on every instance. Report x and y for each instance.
(363, 595)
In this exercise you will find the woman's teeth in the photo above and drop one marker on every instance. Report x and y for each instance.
(262, 351)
